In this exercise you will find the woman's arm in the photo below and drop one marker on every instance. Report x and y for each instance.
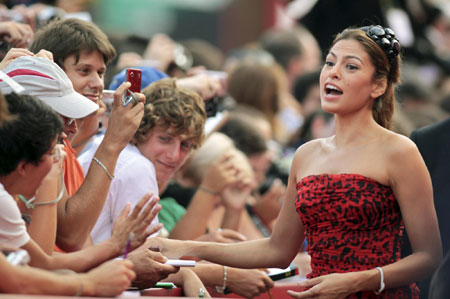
(411, 184)
(277, 251)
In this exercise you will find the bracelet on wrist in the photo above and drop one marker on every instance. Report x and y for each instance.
(104, 167)
(208, 191)
(221, 289)
(381, 289)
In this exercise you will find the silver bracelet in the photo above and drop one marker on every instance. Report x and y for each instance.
(104, 167)
(224, 286)
(381, 289)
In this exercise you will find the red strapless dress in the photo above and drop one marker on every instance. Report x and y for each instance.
(352, 223)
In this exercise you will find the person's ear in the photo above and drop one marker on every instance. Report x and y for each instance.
(379, 88)
(21, 168)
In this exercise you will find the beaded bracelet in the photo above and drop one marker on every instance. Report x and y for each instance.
(224, 286)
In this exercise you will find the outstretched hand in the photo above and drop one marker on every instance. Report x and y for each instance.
(173, 249)
(137, 222)
(331, 286)
(150, 267)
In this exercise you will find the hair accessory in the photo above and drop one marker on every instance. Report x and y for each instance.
(385, 38)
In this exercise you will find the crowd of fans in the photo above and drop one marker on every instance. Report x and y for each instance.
(208, 152)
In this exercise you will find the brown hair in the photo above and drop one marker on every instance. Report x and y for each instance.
(256, 85)
(171, 107)
(72, 37)
(383, 107)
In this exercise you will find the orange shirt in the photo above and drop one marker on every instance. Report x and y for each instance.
(73, 173)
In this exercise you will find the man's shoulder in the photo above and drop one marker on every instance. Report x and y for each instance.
(441, 127)
(131, 160)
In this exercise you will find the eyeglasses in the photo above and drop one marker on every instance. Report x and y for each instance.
(385, 38)
(70, 121)
(67, 121)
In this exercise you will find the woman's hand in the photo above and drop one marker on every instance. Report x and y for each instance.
(137, 223)
(173, 249)
(149, 267)
(331, 286)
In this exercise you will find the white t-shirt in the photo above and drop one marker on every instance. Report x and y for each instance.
(134, 176)
(12, 227)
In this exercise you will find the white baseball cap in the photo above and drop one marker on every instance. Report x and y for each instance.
(45, 80)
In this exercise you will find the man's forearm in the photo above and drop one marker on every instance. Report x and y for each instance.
(78, 214)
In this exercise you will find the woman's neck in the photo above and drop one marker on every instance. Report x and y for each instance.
(355, 129)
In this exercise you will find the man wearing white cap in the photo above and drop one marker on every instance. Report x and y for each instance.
(82, 50)
(47, 81)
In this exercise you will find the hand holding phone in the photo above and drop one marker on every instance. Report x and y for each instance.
(134, 76)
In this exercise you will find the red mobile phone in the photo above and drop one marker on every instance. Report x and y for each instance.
(134, 77)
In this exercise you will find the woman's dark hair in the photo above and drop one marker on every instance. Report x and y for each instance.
(29, 134)
(383, 107)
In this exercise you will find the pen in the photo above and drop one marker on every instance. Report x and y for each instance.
(270, 293)
(127, 248)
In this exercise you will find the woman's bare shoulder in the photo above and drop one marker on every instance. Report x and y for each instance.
(313, 147)
(396, 144)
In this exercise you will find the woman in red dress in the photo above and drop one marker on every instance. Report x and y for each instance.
(351, 194)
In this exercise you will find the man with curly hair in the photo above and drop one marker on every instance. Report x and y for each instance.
(173, 125)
